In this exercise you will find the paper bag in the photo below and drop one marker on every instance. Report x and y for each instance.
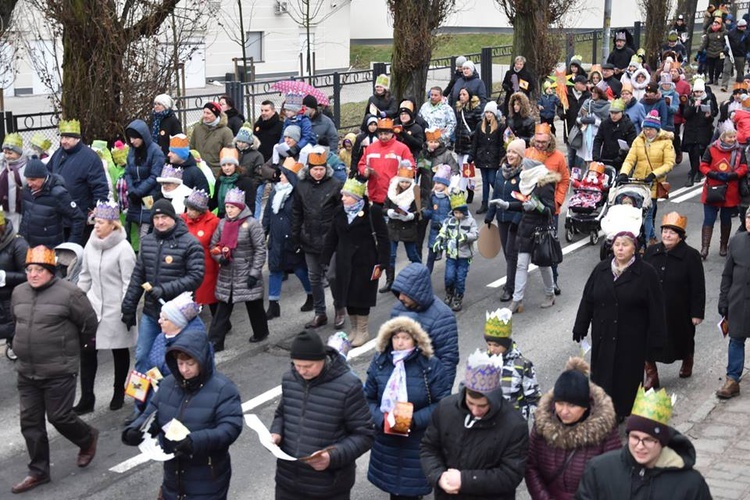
(489, 241)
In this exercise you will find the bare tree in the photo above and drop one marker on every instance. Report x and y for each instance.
(306, 13)
(7, 50)
(232, 22)
(656, 13)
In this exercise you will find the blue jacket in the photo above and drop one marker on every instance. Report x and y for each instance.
(47, 212)
(209, 405)
(636, 112)
(432, 314)
(549, 105)
(278, 228)
(502, 190)
(305, 125)
(141, 172)
(83, 173)
(436, 212)
(394, 460)
(192, 176)
(661, 107)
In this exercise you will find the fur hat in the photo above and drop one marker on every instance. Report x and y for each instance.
(307, 346)
(406, 325)
(572, 385)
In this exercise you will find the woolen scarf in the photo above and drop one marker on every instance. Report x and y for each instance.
(226, 182)
(395, 388)
(230, 232)
(352, 210)
(281, 192)
(617, 271)
(156, 123)
(509, 170)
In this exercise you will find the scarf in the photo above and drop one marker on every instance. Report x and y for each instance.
(510, 171)
(616, 271)
(230, 232)
(352, 210)
(156, 123)
(280, 193)
(723, 146)
(214, 123)
(440, 194)
(226, 182)
(395, 389)
(14, 196)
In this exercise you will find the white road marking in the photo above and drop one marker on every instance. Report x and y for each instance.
(692, 192)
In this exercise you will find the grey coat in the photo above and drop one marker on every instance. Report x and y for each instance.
(734, 293)
(248, 259)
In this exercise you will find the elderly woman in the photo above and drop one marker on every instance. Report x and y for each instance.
(108, 262)
(178, 315)
(517, 79)
(725, 166)
(201, 223)
(574, 423)
(404, 370)
(624, 304)
(680, 273)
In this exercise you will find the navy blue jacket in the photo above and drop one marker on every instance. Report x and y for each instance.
(83, 173)
(432, 314)
(278, 228)
(502, 190)
(141, 170)
(47, 212)
(394, 460)
(192, 176)
(209, 405)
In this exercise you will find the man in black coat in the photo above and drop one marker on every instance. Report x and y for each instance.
(739, 43)
(621, 55)
(323, 415)
(617, 127)
(611, 79)
(268, 129)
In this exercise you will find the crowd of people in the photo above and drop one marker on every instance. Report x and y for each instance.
(187, 218)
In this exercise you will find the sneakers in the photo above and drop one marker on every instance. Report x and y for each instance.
(548, 301)
(730, 389)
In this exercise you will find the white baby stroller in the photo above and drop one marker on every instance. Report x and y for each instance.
(626, 208)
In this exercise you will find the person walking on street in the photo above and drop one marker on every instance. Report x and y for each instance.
(698, 110)
(487, 150)
(12, 180)
(202, 224)
(210, 135)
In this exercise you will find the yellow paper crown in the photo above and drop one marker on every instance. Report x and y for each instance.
(120, 155)
(2, 216)
(457, 199)
(499, 324)
(41, 141)
(653, 405)
(70, 127)
(13, 141)
(40, 255)
(353, 186)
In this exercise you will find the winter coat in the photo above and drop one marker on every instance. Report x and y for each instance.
(105, 274)
(606, 147)
(83, 173)
(503, 190)
(11, 189)
(170, 125)
(475, 86)
(47, 212)
(518, 380)
(315, 203)
(491, 454)
(599, 110)
(734, 292)
(660, 106)
(716, 162)
(400, 229)
(431, 313)
(549, 104)
(209, 405)
(176, 197)
(467, 119)
(209, 141)
(439, 116)
(672, 100)
(282, 254)
(522, 127)
(680, 272)
(243, 182)
(617, 476)
(361, 142)
(385, 103)
(437, 210)
(247, 260)
(413, 136)
(251, 161)
(192, 176)
(698, 127)
(741, 121)
(522, 76)
(636, 112)
(329, 410)
(13, 250)
(322, 126)
(203, 228)
(644, 158)
(487, 147)
(614, 86)
(307, 136)
(574, 107)
(544, 192)
(713, 42)
(394, 460)
(143, 166)
(268, 133)
(555, 162)
(235, 119)
(457, 237)
(384, 158)
(627, 324)
(157, 356)
(172, 260)
(53, 323)
(357, 253)
(621, 57)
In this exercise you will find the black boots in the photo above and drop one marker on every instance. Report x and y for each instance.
(274, 310)
(308, 305)
(482, 209)
(85, 404)
(726, 232)
(389, 274)
(457, 303)
(118, 398)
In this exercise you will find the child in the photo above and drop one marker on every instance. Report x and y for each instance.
(671, 98)
(640, 80)
(172, 187)
(401, 209)
(457, 237)
(518, 379)
(547, 104)
(345, 153)
(589, 190)
(437, 210)
(290, 146)
(251, 163)
(294, 111)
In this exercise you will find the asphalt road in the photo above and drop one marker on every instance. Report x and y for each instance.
(543, 335)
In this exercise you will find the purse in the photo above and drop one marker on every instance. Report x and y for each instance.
(546, 249)
(662, 187)
(575, 138)
(716, 194)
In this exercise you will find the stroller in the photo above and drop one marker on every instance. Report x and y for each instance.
(587, 205)
(626, 208)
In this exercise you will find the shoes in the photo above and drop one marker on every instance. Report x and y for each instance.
(482, 209)
(317, 321)
(218, 346)
(507, 295)
(690, 181)
(339, 319)
(678, 159)
(359, 330)
(456, 303)
(557, 289)
(255, 339)
(85, 405)
(724, 235)
(548, 302)
(29, 483)
(308, 305)
(118, 399)
(85, 456)
(730, 389)
(652, 376)
(389, 275)
(448, 296)
(274, 310)
(686, 370)
(723, 89)
(516, 307)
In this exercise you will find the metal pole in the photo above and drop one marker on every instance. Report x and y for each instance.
(606, 32)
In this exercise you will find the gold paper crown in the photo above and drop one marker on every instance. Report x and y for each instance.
(576, 57)
(433, 134)
(120, 155)
(179, 141)
(41, 142)
(675, 220)
(457, 199)
(353, 186)
(40, 255)
(635, 60)
(2, 216)
(542, 128)
(739, 86)
(13, 140)
(597, 166)
(498, 324)
(405, 172)
(70, 127)
(653, 405)
(317, 157)
(406, 105)
(292, 165)
(385, 124)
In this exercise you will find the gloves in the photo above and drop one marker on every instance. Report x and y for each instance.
(294, 150)
(577, 337)
(713, 174)
(622, 178)
(223, 261)
(437, 247)
(722, 176)
(134, 199)
(501, 204)
(650, 177)
(132, 437)
(724, 311)
(128, 319)
(530, 205)
(157, 292)
(588, 119)
(252, 281)
(731, 176)
(391, 213)
(488, 222)
(182, 448)
(408, 217)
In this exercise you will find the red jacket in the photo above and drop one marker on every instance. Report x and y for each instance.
(383, 158)
(683, 89)
(203, 228)
(741, 121)
(716, 161)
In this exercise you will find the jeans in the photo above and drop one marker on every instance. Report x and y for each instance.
(508, 231)
(648, 222)
(455, 274)
(522, 275)
(258, 213)
(488, 181)
(275, 278)
(736, 358)
(710, 212)
(411, 252)
(431, 258)
(316, 275)
(148, 330)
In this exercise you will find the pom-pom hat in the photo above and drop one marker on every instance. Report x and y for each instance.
(442, 175)
(652, 120)
(181, 310)
(572, 386)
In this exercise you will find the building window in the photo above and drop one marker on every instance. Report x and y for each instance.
(254, 45)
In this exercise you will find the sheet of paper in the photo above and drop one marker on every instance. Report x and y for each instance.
(264, 436)
(151, 448)
(723, 326)
(623, 145)
(174, 430)
(585, 347)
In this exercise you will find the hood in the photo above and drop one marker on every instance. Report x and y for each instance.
(495, 398)
(663, 136)
(8, 235)
(291, 176)
(678, 454)
(642, 85)
(193, 341)
(350, 137)
(142, 129)
(69, 261)
(304, 174)
(414, 282)
(403, 324)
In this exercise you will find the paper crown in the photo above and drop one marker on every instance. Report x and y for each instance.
(635, 61)
(318, 156)
(405, 172)
(620, 35)
(106, 210)
(597, 166)
(170, 174)
(483, 372)
(617, 105)
(120, 154)
(433, 134)
(383, 81)
(197, 200)
(354, 187)
(385, 124)
(70, 127)
(457, 199)
(577, 58)
(653, 405)
(542, 128)
(746, 103)
(292, 165)
(2, 216)
(41, 142)
(673, 219)
(498, 323)
(179, 141)
(235, 196)
(340, 341)
(229, 155)
(406, 104)
(41, 255)
(98, 145)
(13, 141)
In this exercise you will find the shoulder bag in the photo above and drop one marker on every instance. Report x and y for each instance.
(662, 187)
(546, 249)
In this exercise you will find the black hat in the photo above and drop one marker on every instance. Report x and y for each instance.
(310, 102)
(163, 207)
(580, 79)
(35, 169)
(608, 66)
(213, 107)
(308, 346)
(572, 386)
(662, 432)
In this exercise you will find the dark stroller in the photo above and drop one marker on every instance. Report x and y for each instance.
(587, 206)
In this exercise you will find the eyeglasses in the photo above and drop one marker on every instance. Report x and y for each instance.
(647, 442)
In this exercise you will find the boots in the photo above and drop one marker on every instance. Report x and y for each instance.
(652, 376)
(318, 321)
(726, 231)
(308, 305)
(360, 333)
(516, 307)
(686, 370)
(85, 404)
(274, 311)
(389, 272)
(482, 209)
(690, 179)
(456, 302)
(506, 296)
(118, 398)
(448, 296)
(88, 374)
(549, 301)
(469, 196)
(730, 389)
(706, 234)
(339, 319)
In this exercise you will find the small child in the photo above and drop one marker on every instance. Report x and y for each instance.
(457, 237)
(639, 83)
(548, 103)
(588, 192)
(437, 210)
(294, 112)
(401, 209)
(345, 153)
(518, 379)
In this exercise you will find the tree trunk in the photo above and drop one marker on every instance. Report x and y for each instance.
(656, 27)
(530, 38)
(412, 49)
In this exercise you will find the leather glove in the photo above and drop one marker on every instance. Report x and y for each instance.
(724, 311)
(588, 119)
(157, 292)
(501, 204)
(223, 261)
(128, 319)
(294, 150)
(713, 174)
(252, 281)
(722, 176)
(577, 337)
(182, 448)
(650, 177)
(154, 429)
(731, 176)
(132, 437)
(622, 178)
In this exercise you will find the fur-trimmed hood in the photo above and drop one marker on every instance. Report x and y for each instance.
(473, 103)
(634, 82)
(591, 432)
(525, 110)
(549, 178)
(403, 324)
(663, 135)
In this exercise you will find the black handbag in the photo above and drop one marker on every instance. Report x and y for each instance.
(546, 250)
(716, 194)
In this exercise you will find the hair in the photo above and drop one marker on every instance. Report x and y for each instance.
(520, 58)
(492, 122)
(436, 88)
(591, 75)
(228, 100)
(268, 103)
(474, 394)
(182, 356)
(602, 94)
(525, 111)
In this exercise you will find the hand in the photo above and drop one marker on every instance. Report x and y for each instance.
(731, 176)
(488, 222)
(696, 321)
(276, 438)
(722, 176)
(294, 150)
(409, 216)
(391, 213)
(724, 311)
(450, 481)
(713, 174)
(650, 178)
(223, 261)
(156, 292)
(622, 178)
(437, 247)
(320, 462)
(132, 437)
(501, 204)
(154, 429)
(252, 281)
(577, 337)
(183, 448)
(128, 319)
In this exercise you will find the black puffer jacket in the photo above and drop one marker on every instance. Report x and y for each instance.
(170, 125)
(84, 176)
(235, 119)
(467, 118)
(172, 260)
(329, 410)
(544, 192)
(12, 260)
(487, 147)
(268, 133)
(315, 204)
(192, 176)
(606, 148)
(47, 212)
